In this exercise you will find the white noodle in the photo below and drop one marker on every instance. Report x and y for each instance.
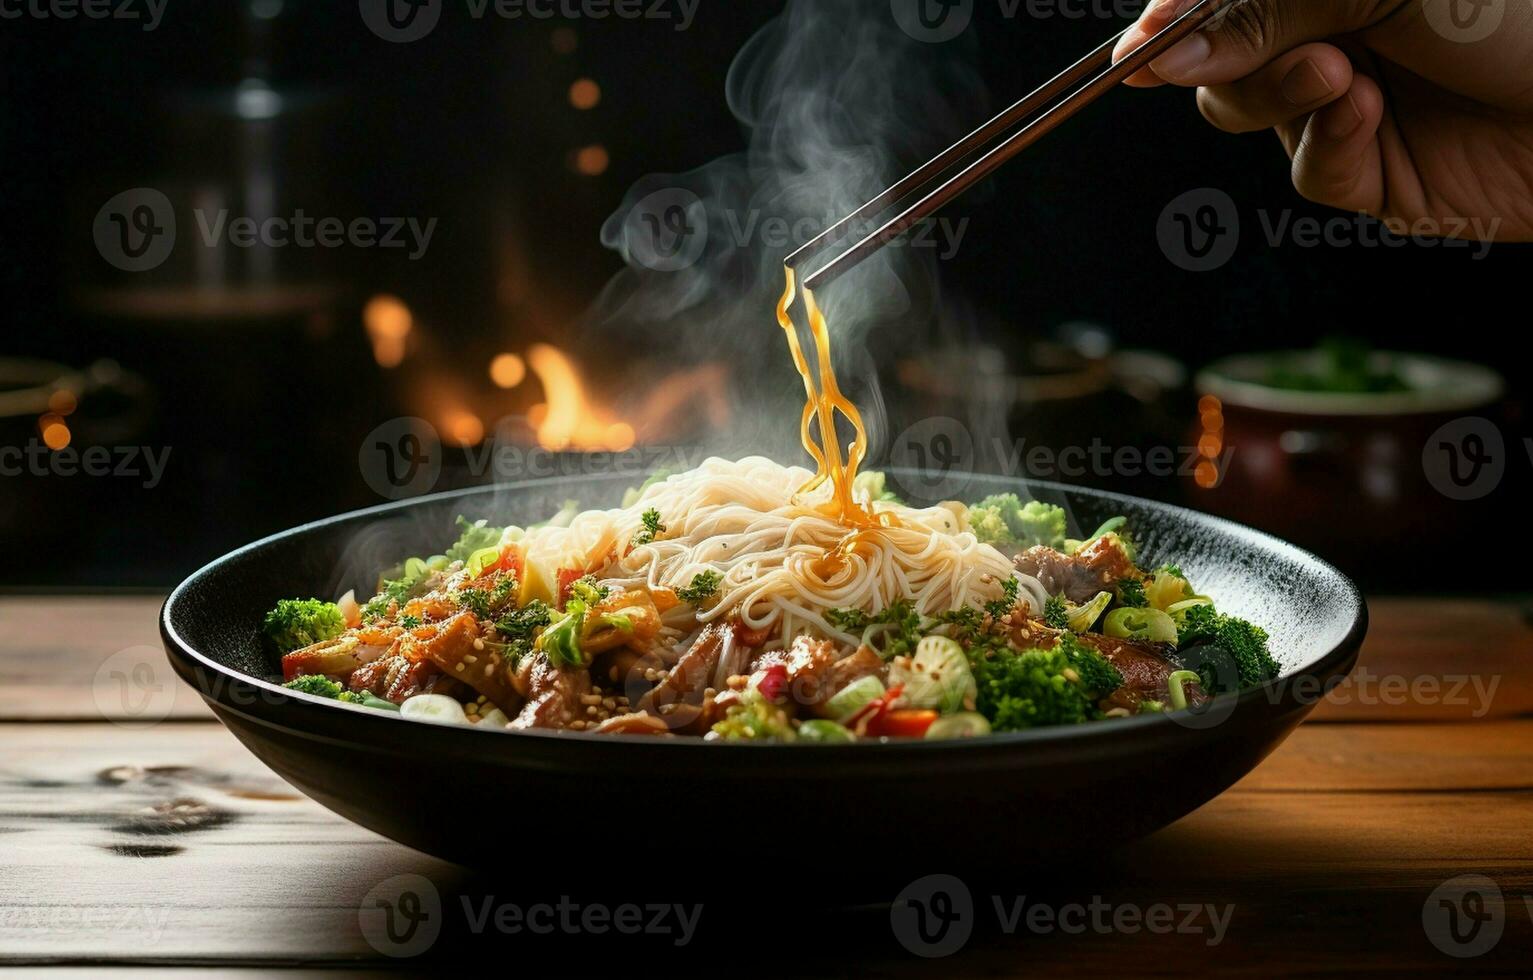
(745, 521)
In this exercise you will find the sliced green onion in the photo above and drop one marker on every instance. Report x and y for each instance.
(855, 696)
(820, 730)
(1178, 692)
(965, 724)
(482, 559)
(1140, 623)
(1178, 610)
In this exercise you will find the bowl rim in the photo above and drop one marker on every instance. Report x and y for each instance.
(1277, 694)
(1444, 386)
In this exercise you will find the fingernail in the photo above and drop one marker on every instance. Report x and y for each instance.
(1341, 120)
(1305, 84)
(1183, 59)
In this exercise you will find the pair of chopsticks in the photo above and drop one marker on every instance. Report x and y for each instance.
(930, 202)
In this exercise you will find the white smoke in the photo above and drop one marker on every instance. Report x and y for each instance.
(837, 103)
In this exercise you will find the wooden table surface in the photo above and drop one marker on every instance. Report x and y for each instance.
(136, 833)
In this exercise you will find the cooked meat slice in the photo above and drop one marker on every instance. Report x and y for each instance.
(1146, 669)
(397, 678)
(337, 657)
(638, 723)
(863, 663)
(815, 671)
(696, 671)
(681, 699)
(553, 693)
(1079, 577)
(481, 668)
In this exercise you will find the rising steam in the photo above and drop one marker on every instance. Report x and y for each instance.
(837, 103)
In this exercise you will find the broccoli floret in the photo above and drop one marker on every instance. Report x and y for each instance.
(1098, 676)
(989, 525)
(1056, 613)
(1131, 593)
(299, 623)
(755, 719)
(587, 591)
(876, 486)
(315, 684)
(1004, 521)
(1245, 644)
(1041, 523)
(472, 538)
(1030, 689)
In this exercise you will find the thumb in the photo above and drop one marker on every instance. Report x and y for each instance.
(1244, 37)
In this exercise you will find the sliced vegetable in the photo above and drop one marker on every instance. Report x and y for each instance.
(1177, 691)
(965, 724)
(1140, 624)
(937, 676)
(902, 723)
(854, 697)
(820, 730)
(439, 709)
(1080, 618)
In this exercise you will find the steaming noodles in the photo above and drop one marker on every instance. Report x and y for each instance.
(753, 601)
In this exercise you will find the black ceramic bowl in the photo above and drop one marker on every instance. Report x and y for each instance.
(454, 791)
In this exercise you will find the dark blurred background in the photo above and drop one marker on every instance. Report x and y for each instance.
(262, 371)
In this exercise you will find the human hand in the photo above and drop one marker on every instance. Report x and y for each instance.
(1397, 108)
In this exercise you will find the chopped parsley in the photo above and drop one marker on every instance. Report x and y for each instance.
(651, 529)
(1056, 613)
(411, 622)
(520, 628)
(1006, 603)
(705, 585)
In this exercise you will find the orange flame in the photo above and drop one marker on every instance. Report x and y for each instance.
(568, 420)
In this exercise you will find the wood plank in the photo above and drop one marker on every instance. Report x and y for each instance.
(88, 658)
(1439, 660)
(1319, 877)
